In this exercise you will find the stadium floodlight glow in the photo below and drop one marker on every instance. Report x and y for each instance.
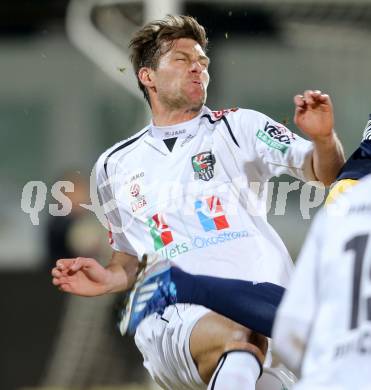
(101, 29)
(109, 56)
(96, 46)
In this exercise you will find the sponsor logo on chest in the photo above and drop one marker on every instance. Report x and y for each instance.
(211, 214)
(212, 219)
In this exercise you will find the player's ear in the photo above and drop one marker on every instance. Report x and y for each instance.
(146, 77)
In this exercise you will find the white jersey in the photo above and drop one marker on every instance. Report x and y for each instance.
(203, 204)
(323, 326)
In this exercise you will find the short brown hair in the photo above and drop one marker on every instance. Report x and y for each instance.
(147, 44)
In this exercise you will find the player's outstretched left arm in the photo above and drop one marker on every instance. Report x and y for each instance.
(315, 117)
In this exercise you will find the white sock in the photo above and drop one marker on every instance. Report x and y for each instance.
(237, 370)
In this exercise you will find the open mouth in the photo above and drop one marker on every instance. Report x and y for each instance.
(198, 83)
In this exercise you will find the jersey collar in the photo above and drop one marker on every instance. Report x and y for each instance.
(180, 130)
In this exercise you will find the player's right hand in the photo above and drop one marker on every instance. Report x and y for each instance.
(81, 276)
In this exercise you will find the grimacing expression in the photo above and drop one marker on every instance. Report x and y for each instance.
(182, 77)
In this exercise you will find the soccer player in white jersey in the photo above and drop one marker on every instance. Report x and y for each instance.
(185, 188)
(323, 331)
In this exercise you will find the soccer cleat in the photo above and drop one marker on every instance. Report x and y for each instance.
(152, 292)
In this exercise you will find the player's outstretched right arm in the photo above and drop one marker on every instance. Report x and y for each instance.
(86, 277)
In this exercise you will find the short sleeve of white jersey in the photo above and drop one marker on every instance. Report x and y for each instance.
(296, 312)
(277, 149)
(117, 237)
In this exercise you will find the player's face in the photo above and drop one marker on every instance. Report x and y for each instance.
(182, 77)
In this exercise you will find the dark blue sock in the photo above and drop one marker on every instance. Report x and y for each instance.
(252, 305)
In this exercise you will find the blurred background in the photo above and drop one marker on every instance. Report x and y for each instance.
(67, 92)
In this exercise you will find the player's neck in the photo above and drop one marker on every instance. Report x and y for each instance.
(166, 117)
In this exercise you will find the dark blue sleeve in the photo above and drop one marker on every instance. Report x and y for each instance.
(359, 163)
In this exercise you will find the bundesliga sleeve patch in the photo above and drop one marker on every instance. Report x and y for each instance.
(276, 136)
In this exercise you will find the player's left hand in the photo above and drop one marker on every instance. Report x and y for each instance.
(314, 114)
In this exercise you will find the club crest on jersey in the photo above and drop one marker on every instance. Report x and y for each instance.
(203, 166)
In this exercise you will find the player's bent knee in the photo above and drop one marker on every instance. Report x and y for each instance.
(254, 350)
(213, 335)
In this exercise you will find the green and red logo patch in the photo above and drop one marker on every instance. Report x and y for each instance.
(159, 231)
(203, 166)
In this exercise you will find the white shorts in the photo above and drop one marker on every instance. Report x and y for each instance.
(164, 344)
